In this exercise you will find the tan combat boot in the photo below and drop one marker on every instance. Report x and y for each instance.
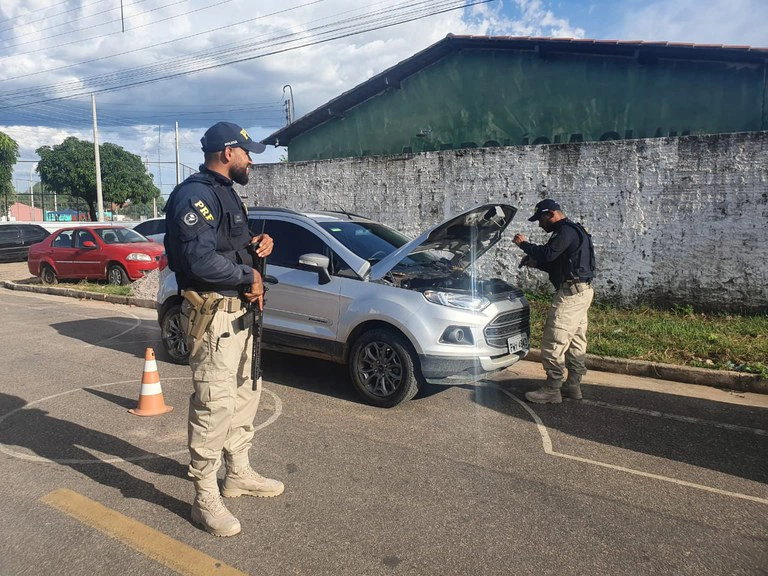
(244, 481)
(547, 394)
(209, 511)
(572, 387)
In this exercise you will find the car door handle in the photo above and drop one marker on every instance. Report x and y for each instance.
(318, 320)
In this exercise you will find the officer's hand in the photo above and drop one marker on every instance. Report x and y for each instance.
(519, 239)
(256, 291)
(265, 243)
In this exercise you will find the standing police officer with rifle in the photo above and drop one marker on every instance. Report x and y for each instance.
(569, 259)
(209, 248)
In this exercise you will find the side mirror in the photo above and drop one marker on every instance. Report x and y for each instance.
(88, 244)
(318, 263)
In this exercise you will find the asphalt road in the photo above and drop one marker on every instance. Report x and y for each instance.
(643, 476)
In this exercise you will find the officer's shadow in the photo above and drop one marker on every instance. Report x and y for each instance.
(68, 444)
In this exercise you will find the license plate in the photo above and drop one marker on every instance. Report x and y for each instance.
(517, 343)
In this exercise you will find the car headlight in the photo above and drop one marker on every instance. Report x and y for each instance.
(471, 302)
(139, 256)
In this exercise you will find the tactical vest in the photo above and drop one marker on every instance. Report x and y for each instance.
(232, 233)
(582, 264)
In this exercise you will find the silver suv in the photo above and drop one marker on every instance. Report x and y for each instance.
(397, 312)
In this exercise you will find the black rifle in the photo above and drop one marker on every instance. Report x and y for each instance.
(260, 265)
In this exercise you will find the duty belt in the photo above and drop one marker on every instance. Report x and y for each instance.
(204, 306)
(225, 303)
(575, 286)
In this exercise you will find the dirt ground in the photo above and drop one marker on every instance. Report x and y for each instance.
(15, 271)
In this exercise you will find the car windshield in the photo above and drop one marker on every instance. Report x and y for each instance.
(373, 241)
(118, 235)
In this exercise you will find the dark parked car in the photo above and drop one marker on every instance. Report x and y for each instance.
(15, 240)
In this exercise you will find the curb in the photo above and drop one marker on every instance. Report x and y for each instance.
(726, 379)
(81, 294)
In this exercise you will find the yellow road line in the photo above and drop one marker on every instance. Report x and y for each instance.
(148, 541)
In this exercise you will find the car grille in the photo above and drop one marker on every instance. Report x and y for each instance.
(506, 325)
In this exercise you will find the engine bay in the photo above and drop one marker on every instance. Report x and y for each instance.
(426, 278)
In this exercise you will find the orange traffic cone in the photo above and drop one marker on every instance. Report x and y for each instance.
(151, 401)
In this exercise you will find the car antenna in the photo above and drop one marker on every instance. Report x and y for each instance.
(341, 210)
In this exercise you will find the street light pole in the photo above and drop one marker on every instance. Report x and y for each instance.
(289, 104)
(97, 159)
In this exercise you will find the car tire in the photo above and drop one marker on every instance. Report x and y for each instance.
(173, 335)
(383, 368)
(117, 276)
(48, 275)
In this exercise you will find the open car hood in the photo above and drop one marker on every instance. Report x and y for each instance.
(461, 239)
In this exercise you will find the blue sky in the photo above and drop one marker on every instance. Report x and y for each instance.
(56, 53)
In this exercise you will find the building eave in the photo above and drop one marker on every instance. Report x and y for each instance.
(393, 77)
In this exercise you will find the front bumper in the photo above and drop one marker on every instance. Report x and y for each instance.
(442, 370)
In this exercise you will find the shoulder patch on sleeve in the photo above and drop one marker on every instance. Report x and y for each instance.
(202, 209)
(190, 218)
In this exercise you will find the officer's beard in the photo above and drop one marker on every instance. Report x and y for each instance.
(240, 175)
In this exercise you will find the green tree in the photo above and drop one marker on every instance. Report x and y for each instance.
(9, 152)
(69, 168)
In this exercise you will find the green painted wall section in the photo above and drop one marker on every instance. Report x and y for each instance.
(505, 98)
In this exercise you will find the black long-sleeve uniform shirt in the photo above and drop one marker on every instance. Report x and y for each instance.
(555, 256)
(207, 235)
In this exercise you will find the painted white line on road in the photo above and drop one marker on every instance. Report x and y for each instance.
(5, 449)
(136, 324)
(547, 444)
(688, 419)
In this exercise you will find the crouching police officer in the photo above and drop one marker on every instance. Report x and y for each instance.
(207, 241)
(569, 259)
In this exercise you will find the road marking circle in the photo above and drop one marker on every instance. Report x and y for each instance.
(5, 449)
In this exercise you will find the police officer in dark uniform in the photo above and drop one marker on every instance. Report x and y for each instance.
(569, 259)
(207, 242)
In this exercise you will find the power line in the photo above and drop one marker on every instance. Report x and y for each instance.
(197, 35)
(74, 19)
(53, 6)
(69, 32)
(205, 60)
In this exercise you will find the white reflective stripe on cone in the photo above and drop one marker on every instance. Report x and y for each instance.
(151, 389)
(150, 366)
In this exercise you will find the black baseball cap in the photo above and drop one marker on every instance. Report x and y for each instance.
(543, 207)
(223, 134)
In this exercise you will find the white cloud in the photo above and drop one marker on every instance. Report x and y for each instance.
(735, 22)
(249, 92)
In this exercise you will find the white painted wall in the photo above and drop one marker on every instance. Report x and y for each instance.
(674, 220)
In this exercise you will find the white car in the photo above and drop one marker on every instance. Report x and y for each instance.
(397, 312)
(152, 229)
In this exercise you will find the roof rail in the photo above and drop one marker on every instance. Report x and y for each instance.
(271, 209)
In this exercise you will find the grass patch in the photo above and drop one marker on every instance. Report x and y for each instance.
(104, 288)
(679, 336)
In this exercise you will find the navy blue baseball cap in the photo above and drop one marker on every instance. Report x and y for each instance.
(223, 134)
(543, 207)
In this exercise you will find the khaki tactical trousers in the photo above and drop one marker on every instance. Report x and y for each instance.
(564, 342)
(223, 407)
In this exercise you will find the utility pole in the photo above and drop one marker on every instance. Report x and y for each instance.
(31, 189)
(97, 159)
(178, 166)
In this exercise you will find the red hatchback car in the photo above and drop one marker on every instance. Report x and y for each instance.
(117, 255)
